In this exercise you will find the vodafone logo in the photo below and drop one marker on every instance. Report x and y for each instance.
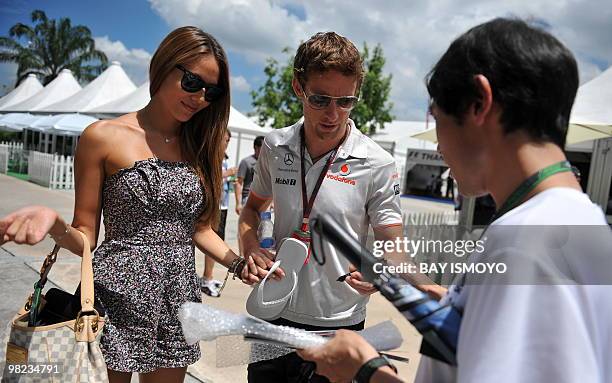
(345, 170)
(340, 179)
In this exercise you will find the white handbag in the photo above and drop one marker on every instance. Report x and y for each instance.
(67, 351)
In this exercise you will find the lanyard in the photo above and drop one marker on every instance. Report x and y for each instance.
(519, 194)
(529, 184)
(307, 203)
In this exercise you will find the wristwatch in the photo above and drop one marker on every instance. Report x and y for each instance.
(369, 368)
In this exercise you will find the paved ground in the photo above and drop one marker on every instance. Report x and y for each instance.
(16, 283)
(19, 266)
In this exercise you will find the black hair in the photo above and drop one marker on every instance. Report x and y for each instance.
(258, 141)
(533, 77)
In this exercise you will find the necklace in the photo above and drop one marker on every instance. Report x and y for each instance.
(167, 140)
(142, 119)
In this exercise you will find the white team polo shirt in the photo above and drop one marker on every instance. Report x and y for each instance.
(361, 188)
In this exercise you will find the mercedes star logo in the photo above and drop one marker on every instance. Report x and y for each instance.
(289, 159)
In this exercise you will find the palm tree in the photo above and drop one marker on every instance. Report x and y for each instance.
(52, 45)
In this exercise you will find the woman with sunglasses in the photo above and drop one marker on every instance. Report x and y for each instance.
(155, 175)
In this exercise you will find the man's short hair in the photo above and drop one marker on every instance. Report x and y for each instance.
(327, 51)
(258, 141)
(533, 76)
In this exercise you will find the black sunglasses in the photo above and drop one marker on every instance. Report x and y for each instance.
(192, 83)
(321, 101)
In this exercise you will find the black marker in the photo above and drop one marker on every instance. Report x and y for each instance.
(342, 278)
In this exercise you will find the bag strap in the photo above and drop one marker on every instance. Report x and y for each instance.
(33, 301)
(87, 282)
(87, 285)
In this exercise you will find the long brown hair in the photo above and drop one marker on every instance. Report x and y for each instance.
(202, 135)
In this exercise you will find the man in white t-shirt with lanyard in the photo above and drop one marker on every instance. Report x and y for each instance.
(343, 172)
(501, 96)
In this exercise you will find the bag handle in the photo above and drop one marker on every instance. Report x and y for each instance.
(87, 284)
(87, 280)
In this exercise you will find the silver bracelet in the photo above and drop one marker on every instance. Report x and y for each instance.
(236, 268)
(61, 236)
(235, 263)
(239, 267)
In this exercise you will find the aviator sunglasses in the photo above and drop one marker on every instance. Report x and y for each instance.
(321, 101)
(192, 83)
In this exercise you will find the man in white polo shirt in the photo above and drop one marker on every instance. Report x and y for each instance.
(358, 185)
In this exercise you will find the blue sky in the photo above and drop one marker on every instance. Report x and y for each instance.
(413, 34)
(133, 22)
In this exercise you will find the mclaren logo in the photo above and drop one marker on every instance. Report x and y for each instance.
(289, 159)
(285, 181)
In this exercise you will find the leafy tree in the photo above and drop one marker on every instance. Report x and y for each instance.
(52, 45)
(374, 109)
(275, 102)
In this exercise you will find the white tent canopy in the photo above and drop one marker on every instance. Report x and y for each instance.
(26, 89)
(112, 84)
(62, 87)
(244, 132)
(49, 128)
(26, 121)
(401, 133)
(592, 113)
(45, 123)
(593, 107)
(71, 124)
(8, 122)
(579, 137)
(46, 142)
(131, 102)
(238, 122)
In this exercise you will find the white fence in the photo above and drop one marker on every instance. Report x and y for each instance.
(51, 170)
(4, 159)
(9, 151)
(432, 218)
(13, 145)
(438, 229)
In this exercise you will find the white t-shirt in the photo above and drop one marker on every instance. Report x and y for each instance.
(536, 333)
(360, 189)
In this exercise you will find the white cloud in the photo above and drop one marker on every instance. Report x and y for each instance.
(135, 62)
(239, 83)
(413, 34)
(257, 28)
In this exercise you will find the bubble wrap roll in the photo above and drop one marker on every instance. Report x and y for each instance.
(203, 322)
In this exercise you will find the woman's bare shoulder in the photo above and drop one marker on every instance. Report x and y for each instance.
(111, 131)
